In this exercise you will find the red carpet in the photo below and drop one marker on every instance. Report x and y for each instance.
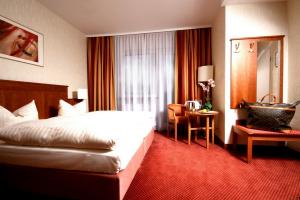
(178, 171)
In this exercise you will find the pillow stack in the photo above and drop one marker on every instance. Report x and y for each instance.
(25, 113)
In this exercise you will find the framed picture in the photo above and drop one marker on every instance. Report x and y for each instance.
(20, 43)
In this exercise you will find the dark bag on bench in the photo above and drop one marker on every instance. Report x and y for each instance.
(270, 116)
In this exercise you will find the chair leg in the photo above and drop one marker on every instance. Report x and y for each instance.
(175, 131)
(168, 129)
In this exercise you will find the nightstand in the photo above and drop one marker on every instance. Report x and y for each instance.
(209, 116)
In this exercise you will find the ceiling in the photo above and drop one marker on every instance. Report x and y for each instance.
(105, 17)
(230, 2)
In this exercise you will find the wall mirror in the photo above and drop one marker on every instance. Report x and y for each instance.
(256, 69)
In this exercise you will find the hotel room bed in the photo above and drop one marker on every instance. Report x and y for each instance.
(62, 171)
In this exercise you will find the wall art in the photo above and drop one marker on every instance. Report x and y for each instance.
(20, 43)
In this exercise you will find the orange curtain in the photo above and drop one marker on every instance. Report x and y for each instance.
(101, 85)
(193, 49)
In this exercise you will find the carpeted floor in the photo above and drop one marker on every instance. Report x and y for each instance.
(173, 170)
(178, 171)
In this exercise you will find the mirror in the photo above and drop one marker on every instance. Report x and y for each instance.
(256, 69)
(268, 69)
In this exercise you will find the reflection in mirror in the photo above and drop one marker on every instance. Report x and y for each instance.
(268, 69)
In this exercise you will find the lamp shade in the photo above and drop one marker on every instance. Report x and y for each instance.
(82, 94)
(205, 73)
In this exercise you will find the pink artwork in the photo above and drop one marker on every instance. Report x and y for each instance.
(20, 43)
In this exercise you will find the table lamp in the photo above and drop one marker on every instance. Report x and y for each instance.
(205, 73)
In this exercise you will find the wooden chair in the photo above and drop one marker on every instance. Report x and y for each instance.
(176, 115)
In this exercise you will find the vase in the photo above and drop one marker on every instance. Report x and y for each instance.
(207, 105)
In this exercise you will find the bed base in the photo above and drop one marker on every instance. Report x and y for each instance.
(55, 182)
(73, 184)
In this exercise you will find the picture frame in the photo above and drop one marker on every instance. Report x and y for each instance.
(19, 43)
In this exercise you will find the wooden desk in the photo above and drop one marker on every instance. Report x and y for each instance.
(254, 134)
(207, 115)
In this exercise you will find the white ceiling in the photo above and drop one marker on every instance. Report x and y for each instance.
(104, 17)
(230, 2)
(119, 16)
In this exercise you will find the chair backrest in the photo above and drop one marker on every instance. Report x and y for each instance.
(179, 110)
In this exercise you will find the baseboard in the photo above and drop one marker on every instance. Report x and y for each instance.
(219, 142)
(293, 151)
(264, 148)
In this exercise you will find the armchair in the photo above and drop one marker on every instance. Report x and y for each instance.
(176, 115)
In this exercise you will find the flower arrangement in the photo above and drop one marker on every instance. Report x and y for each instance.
(207, 89)
(210, 83)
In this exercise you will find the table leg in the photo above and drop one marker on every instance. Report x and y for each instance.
(213, 129)
(168, 129)
(196, 132)
(175, 131)
(207, 132)
(249, 149)
(189, 130)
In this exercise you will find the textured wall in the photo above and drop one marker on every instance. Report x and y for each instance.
(64, 47)
(294, 61)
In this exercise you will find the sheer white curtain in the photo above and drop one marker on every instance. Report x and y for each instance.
(145, 73)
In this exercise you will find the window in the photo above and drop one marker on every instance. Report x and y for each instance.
(145, 73)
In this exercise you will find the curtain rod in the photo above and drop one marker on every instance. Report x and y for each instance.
(153, 31)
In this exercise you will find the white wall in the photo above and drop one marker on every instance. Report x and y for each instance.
(64, 47)
(245, 20)
(294, 61)
(218, 59)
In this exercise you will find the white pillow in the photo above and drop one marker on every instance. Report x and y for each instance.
(66, 109)
(29, 111)
(5, 117)
(81, 107)
(25, 113)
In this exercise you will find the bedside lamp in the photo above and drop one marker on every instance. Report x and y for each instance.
(82, 94)
(205, 73)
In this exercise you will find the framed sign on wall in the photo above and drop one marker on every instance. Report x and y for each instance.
(20, 43)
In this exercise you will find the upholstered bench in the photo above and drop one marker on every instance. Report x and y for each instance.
(254, 134)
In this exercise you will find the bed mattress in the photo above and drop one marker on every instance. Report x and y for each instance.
(90, 160)
(105, 161)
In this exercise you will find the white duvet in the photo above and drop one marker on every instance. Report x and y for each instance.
(94, 130)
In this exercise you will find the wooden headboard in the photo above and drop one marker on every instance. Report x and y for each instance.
(14, 94)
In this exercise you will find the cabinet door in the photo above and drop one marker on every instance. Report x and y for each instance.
(243, 71)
